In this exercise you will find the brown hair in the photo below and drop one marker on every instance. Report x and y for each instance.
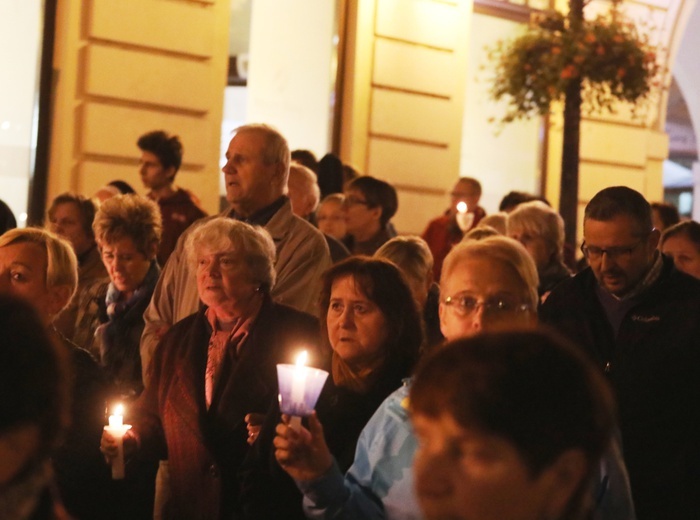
(381, 282)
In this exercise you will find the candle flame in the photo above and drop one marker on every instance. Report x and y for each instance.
(301, 358)
(119, 409)
(462, 207)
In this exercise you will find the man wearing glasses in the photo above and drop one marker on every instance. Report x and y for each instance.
(639, 318)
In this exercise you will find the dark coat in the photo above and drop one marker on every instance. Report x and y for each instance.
(81, 475)
(654, 367)
(206, 447)
(119, 337)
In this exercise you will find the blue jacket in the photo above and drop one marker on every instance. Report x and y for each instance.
(379, 484)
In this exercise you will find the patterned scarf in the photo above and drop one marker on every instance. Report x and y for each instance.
(222, 341)
(119, 337)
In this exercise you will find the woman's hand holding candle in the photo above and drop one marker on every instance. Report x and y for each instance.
(113, 441)
(109, 448)
(302, 453)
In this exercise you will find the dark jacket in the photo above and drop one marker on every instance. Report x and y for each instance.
(206, 447)
(654, 367)
(119, 336)
(81, 475)
(343, 414)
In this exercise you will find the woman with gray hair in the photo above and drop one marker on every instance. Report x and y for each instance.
(541, 230)
(214, 367)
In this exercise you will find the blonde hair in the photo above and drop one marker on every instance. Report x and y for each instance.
(221, 234)
(61, 262)
(497, 221)
(129, 216)
(480, 233)
(538, 219)
(500, 248)
(411, 254)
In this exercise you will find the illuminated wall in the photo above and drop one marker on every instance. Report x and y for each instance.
(124, 68)
(20, 46)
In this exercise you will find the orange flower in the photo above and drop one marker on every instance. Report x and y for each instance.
(579, 59)
(618, 38)
(600, 50)
(527, 67)
(621, 73)
(569, 72)
(556, 50)
(589, 37)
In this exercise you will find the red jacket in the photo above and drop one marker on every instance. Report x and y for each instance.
(442, 233)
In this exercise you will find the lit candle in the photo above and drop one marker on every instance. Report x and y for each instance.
(464, 219)
(299, 386)
(118, 429)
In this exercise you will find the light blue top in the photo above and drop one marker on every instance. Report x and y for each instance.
(379, 484)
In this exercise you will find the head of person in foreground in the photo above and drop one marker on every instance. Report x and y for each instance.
(511, 425)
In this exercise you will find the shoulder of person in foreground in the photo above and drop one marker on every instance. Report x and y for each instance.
(383, 457)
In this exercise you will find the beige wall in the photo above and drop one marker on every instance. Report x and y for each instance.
(404, 99)
(124, 68)
(291, 77)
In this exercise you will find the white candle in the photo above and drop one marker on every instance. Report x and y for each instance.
(299, 379)
(464, 219)
(118, 429)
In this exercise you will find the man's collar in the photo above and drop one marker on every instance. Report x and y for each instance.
(262, 216)
(648, 280)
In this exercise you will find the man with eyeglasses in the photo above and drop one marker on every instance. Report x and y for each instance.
(443, 232)
(639, 318)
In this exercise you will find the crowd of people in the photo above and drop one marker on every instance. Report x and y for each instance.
(477, 372)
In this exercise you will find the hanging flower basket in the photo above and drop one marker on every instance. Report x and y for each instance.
(613, 61)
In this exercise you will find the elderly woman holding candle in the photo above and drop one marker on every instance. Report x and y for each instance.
(371, 324)
(214, 367)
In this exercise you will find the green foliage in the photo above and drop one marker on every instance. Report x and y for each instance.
(612, 59)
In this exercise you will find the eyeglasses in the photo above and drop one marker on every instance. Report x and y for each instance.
(614, 253)
(465, 305)
(351, 200)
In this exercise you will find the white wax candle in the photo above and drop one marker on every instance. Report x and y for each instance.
(118, 429)
(299, 379)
